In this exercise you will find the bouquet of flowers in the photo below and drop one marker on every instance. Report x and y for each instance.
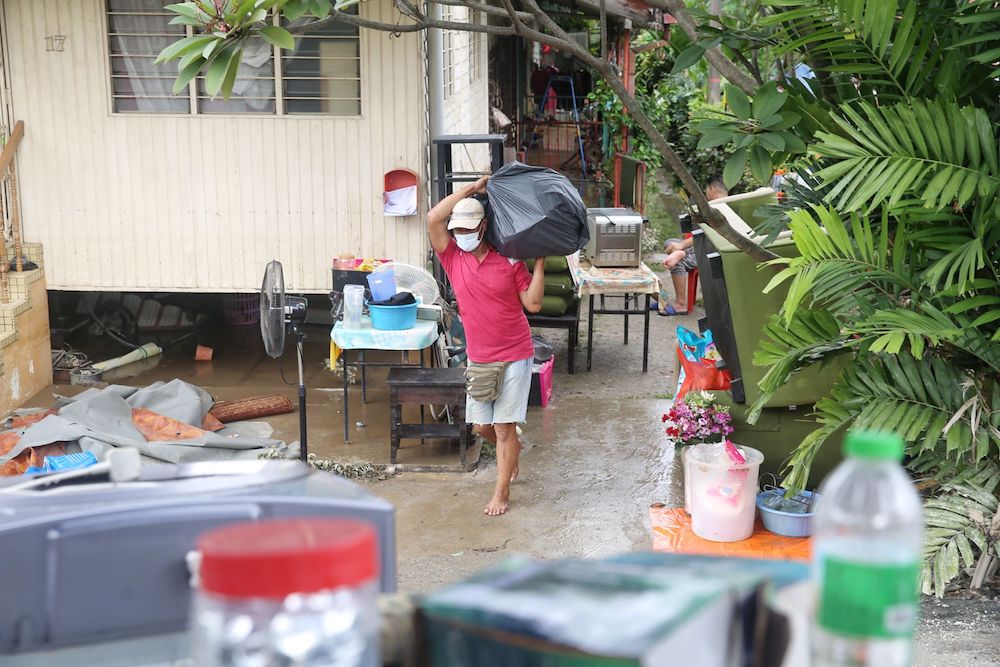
(697, 418)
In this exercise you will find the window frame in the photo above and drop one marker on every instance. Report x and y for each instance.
(451, 45)
(476, 46)
(194, 112)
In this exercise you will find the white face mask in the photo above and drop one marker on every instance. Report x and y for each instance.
(468, 242)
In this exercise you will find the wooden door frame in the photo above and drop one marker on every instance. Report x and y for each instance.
(6, 101)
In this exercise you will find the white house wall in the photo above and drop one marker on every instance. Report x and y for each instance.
(466, 110)
(197, 203)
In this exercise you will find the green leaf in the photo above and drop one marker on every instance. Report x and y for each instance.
(738, 102)
(986, 318)
(278, 36)
(231, 72)
(793, 144)
(181, 47)
(188, 9)
(714, 138)
(771, 141)
(219, 69)
(768, 100)
(295, 9)
(687, 58)
(788, 119)
(320, 8)
(189, 71)
(974, 302)
(735, 165)
(760, 164)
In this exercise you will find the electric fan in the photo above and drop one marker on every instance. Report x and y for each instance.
(281, 315)
(414, 280)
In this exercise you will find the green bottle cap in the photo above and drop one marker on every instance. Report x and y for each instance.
(881, 445)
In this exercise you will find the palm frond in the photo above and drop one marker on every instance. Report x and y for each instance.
(886, 50)
(844, 267)
(944, 153)
(862, 38)
(804, 192)
(958, 526)
(811, 336)
(934, 406)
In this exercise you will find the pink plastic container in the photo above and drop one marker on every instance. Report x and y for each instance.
(722, 494)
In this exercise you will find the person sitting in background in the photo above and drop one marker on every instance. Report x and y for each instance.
(681, 260)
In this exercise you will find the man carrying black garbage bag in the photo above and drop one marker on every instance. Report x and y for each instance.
(493, 293)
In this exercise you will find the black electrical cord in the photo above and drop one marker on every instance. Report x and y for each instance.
(281, 368)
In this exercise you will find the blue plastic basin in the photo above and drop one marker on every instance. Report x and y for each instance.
(789, 524)
(393, 318)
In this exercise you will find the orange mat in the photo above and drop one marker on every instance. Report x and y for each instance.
(672, 534)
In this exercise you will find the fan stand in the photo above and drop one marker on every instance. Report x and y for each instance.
(300, 337)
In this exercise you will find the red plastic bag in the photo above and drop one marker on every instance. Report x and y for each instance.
(697, 356)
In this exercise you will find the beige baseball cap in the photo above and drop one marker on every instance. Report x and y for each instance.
(467, 214)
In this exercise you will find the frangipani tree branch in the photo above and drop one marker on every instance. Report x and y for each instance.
(730, 70)
(223, 60)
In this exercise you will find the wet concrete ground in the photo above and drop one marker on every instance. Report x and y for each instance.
(595, 459)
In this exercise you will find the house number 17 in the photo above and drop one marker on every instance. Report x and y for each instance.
(55, 43)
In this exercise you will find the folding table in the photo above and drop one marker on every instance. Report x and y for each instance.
(628, 282)
(418, 338)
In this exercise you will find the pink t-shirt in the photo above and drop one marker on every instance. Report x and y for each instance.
(489, 302)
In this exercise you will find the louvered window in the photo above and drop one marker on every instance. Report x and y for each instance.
(321, 76)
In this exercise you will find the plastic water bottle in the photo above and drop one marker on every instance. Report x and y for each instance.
(354, 301)
(867, 557)
(287, 593)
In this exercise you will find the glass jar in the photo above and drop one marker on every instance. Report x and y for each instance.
(287, 593)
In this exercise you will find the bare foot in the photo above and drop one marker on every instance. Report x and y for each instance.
(498, 504)
(680, 307)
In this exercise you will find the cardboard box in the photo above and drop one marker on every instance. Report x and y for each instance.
(646, 611)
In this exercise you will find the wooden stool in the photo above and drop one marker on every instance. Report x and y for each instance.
(437, 386)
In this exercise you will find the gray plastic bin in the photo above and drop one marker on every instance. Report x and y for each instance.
(90, 564)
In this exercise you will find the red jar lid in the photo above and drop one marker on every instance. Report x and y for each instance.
(275, 558)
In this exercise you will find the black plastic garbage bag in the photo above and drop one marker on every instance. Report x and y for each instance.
(534, 212)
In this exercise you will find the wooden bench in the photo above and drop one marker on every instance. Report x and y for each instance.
(428, 386)
(570, 322)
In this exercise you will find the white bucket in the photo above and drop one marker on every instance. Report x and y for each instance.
(722, 497)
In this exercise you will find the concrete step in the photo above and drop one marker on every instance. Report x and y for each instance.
(9, 312)
(7, 338)
(20, 282)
